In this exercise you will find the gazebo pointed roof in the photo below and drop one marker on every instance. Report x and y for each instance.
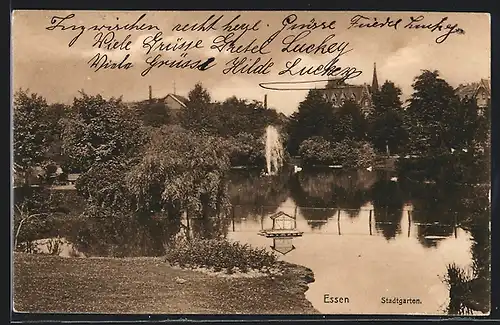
(279, 214)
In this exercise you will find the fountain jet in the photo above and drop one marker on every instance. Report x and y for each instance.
(274, 150)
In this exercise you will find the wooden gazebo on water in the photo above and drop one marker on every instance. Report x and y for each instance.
(284, 225)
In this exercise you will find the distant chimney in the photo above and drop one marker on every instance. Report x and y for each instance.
(150, 93)
(265, 101)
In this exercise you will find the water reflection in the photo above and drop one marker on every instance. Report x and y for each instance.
(254, 195)
(326, 196)
(120, 237)
(327, 201)
(350, 221)
(470, 287)
(388, 201)
(283, 245)
(283, 231)
(319, 193)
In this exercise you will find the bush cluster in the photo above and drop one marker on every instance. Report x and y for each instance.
(219, 254)
(246, 150)
(348, 153)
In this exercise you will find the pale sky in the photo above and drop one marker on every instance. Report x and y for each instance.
(44, 63)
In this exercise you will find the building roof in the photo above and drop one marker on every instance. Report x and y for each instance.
(279, 214)
(471, 89)
(338, 90)
(180, 99)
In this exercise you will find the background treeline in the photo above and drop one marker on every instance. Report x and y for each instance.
(435, 127)
(143, 161)
(138, 163)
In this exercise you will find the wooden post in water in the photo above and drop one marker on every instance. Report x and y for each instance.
(409, 222)
(455, 224)
(295, 218)
(370, 222)
(338, 221)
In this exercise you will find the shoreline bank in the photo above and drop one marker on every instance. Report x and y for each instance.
(45, 283)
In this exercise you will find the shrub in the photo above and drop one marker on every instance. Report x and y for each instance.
(43, 210)
(366, 154)
(315, 151)
(459, 282)
(348, 153)
(219, 254)
(246, 149)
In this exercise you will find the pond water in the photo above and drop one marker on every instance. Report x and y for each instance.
(366, 235)
(364, 267)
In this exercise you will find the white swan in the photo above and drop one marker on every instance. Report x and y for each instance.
(369, 169)
(296, 169)
(394, 179)
(452, 150)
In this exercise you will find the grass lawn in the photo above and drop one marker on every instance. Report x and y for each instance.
(44, 283)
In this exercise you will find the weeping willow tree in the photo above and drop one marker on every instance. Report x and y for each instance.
(135, 205)
(182, 171)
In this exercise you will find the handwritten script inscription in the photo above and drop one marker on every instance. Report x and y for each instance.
(234, 44)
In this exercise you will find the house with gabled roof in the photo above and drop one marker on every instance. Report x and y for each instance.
(175, 102)
(337, 91)
(481, 91)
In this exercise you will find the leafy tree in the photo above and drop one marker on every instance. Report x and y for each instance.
(56, 115)
(467, 123)
(178, 171)
(442, 130)
(247, 149)
(349, 123)
(103, 185)
(483, 133)
(154, 113)
(31, 129)
(433, 113)
(316, 150)
(181, 170)
(313, 118)
(386, 120)
(261, 117)
(99, 130)
(234, 116)
(319, 151)
(198, 113)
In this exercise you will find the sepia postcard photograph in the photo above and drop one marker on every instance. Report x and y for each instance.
(251, 162)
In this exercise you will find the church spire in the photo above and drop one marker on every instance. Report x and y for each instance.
(375, 80)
